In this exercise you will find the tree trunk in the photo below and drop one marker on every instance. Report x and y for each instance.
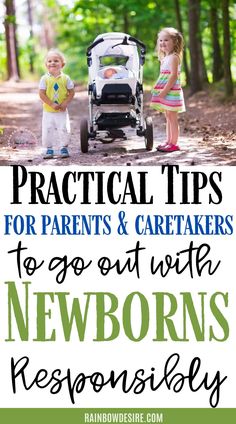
(217, 65)
(48, 34)
(13, 70)
(126, 22)
(202, 65)
(48, 31)
(193, 15)
(30, 20)
(229, 89)
(180, 28)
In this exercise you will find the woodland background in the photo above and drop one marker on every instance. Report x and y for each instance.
(30, 27)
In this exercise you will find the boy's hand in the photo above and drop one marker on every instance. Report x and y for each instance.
(55, 106)
(63, 106)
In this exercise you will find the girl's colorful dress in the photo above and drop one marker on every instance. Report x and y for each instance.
(174, 100)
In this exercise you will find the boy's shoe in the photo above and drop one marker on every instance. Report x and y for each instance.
(49, 154)
(169, 148)
(64, 152)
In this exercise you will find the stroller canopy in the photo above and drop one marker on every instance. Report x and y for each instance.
(115, 48)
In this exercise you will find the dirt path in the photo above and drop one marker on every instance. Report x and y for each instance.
(208, 133)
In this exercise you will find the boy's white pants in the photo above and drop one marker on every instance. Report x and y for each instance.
(55, 129)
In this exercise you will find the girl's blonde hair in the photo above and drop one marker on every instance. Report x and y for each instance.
(56, 52)
(178, 42)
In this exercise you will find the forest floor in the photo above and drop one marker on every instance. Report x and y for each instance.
(208, 132)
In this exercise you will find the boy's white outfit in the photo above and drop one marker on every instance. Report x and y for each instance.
(55, 124)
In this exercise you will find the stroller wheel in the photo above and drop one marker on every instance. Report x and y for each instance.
(148, 133)
(84, 136)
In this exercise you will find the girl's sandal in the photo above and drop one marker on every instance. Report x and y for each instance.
(169, 148)
(162, 146)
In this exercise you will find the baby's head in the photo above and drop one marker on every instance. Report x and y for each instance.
(54, 61)
(109, 72)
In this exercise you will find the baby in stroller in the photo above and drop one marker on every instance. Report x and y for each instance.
(114, 73)
(115, 62)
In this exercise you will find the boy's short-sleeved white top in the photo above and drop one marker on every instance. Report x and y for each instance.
(42, 82)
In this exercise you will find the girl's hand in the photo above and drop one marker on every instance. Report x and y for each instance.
(162, 95)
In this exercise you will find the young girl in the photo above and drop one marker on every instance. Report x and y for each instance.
(56, 90)
(167, 95)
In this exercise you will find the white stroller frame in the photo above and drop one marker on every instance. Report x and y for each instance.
(124, 90)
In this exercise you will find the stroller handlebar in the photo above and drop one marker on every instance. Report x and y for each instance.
(94, 44)
(138, 42)
(130, 38)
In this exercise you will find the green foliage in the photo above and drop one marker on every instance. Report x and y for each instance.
(3, 58)
(10, 19)
(76, 24)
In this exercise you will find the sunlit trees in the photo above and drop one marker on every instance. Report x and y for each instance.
(227, 49)
(13, 71)
(207, 27)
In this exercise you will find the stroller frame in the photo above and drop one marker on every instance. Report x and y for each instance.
(125, 94)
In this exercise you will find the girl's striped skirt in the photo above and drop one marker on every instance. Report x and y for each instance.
(174, 100)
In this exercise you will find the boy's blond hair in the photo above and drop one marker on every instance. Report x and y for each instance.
(178, 42)
(56, 52)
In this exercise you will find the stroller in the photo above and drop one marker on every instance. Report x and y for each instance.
(115, 61)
